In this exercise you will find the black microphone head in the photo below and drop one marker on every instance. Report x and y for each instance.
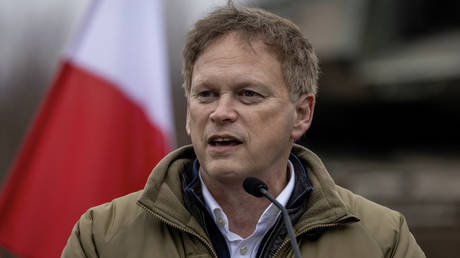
(253, 185)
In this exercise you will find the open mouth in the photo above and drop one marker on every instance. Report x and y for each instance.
(223, 141)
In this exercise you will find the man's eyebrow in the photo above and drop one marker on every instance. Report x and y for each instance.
(201, 84)
(251, 83)
(211, 80)
(206, 79)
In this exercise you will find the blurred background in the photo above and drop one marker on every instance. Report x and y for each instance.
(387, 117)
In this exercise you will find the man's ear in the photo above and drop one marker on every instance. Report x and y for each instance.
(187, 121)
(304, 108)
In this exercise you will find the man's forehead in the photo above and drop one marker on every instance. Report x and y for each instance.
(241, 39)
(231, 50)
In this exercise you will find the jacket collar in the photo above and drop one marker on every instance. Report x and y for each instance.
(325, 205)
(163, 192)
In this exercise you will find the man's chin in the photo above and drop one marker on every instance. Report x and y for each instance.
(224, 172)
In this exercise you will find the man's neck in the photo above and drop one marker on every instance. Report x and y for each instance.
(242, 209)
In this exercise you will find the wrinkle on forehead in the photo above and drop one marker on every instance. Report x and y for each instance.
(245, 40)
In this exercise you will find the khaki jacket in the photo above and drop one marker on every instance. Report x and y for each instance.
(154, 222)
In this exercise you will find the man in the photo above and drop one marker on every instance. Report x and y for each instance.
(250, 83)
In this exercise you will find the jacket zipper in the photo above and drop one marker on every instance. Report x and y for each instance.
(261, 251)
(202, 239)
(324, 226)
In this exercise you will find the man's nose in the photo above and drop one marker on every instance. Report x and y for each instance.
(224, 111)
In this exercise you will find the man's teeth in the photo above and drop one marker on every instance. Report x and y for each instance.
(222, 139)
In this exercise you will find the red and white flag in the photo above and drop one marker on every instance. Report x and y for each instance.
(104, 124)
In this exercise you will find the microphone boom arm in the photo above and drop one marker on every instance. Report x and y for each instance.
(287, 222)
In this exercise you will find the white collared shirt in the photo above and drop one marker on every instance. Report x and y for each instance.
(247, 247)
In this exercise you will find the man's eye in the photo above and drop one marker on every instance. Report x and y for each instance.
(204, 94)
(248, 93)
(250, 97)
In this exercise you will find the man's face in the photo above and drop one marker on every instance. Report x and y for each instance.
(239, 115)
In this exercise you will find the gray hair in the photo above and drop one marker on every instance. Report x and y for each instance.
(298, 60)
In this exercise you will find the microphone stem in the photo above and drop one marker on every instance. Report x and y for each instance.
(287, 222)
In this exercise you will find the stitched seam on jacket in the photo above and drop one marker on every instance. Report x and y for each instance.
(373, 237)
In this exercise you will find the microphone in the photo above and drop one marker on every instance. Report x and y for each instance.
(258, 188)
